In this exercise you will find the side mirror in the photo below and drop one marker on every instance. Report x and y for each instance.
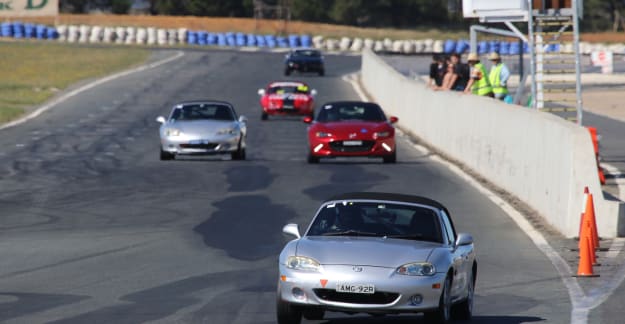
(291, 229)
(261, 92)
(463, 239)
(242, 119)
(161, 119)
(307, 120)
(313, 92)
(393, 119)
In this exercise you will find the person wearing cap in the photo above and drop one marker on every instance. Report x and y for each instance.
(498, 76)
(478, 82)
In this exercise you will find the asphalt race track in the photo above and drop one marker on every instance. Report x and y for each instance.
(95, 229)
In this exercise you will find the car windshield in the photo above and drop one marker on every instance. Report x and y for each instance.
(379, 219)
(203, 111)
(285, 89)
(309, 53)
(351, 111)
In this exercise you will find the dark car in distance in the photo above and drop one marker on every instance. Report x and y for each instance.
(304, 60)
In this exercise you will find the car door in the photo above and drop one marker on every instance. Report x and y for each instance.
(458, 258)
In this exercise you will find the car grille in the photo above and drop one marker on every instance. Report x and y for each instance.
(378, 298)
(339, 147)
(208, 146)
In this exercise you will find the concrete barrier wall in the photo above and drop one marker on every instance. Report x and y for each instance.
(540, 158)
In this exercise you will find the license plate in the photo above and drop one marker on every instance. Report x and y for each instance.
(287, 107)
(355, 288)
(352, 143)
(197, 142)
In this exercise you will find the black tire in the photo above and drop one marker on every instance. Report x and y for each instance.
(464, 310)
(390, 158)
(287, 71)
(239, 154)
(166, 156)
(312, 159)
(322, 72)
(313, 314)
(287, 313)
(263, 116)
(442, 315)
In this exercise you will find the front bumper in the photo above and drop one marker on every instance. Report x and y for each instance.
(193, 145)
(335, 147)
(305, 66)
(296, 110)
(394, 293)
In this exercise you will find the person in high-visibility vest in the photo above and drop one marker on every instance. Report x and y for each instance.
(498, 76)
(478, 82)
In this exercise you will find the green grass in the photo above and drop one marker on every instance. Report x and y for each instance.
(32, 72)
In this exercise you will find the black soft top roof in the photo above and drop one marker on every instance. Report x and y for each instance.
(389, 197)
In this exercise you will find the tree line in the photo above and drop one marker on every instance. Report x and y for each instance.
(599, 15)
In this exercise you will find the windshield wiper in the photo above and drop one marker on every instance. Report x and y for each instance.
(416, 237)
(351, 233)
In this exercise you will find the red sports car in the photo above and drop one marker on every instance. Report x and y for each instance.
(287, 98)
(351, 128)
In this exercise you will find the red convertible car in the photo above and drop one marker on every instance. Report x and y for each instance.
(287, 98)
(351, 128)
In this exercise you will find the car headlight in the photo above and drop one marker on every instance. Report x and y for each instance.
(173, 132)
(417, 269)
(227, 131)
(323, 134)
(302, 263)
(377, 135)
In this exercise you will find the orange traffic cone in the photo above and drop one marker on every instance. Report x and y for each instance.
(581, 220)
(590, 216)
(585, 264)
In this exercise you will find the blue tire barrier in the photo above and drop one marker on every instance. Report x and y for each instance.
(483, 47)
(515, 48)
(240, 39)
(211, 39)
(305, 41)
(221, 39)
(270, 40)
(6, 30)
(553, 48)
(282, 42)
(504, 48)
(41, 31)
(18, 30)
(294, 41)
(449, 46)
(53, 33)
(202, 38)
(462, 46)
(260, 41)
(526, 48)
(191, 38)
(494, 46)
(30, 31)
(250, 40)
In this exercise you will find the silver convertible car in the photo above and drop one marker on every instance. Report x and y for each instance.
(377, 253)
(202, 128)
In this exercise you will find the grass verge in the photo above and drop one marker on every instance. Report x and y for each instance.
(32, 72)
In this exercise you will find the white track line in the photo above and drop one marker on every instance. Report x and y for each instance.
(582, 304)
(88, 86)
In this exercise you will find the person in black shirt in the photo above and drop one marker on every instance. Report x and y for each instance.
(462, 72)
(437, 71)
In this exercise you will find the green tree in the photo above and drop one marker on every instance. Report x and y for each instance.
(120, 7)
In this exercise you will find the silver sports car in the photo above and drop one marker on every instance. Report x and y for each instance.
(202, 127)
(377, 253)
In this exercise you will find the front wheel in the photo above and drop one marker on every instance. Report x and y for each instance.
(287, 313)
(390, 158)
(263, 116)
(321, 72)
(165, 156)
(287, 71)
(312, 159)
(442, 314)
(238, 154)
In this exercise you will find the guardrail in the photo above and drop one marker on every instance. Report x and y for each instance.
(542, 159)
(184, 36)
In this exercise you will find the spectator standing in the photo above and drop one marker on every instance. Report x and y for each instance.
(449, 78)
(498, 76)
(478, 82)
(461, 71)
(437, 72)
